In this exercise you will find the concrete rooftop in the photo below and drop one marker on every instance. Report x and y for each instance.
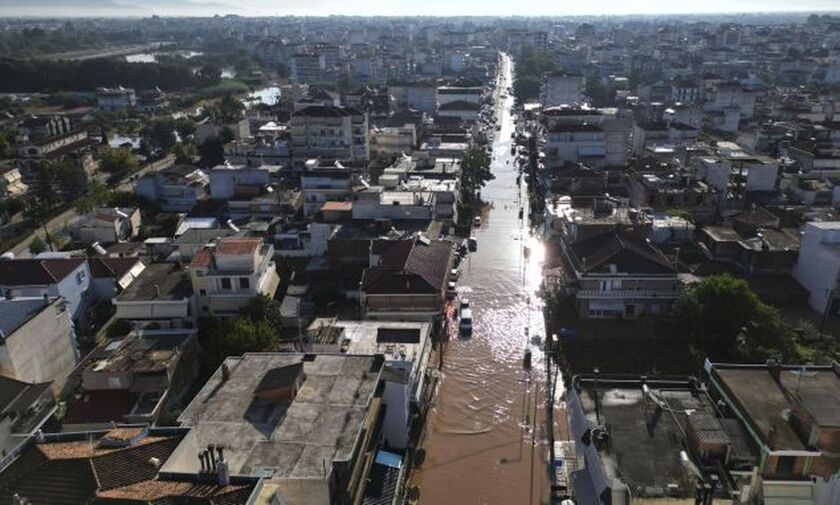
(301, 438)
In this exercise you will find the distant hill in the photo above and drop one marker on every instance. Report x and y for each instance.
(104, 8)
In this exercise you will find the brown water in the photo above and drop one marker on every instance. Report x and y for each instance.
(480, 443)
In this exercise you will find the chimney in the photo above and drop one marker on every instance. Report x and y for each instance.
(225, 373)
(223, 473)
(212, 456)
(201, 460)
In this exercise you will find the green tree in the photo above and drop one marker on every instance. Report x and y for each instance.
(212, 152)
(37, 245)
(234, 337)
(184, 154)
(98, 195)
(263, 308)
(71, 178)
(475, 173)
(726, 320)
(526, 88)
(161, 134)
(229, 109)
(38, 210)
(114, 161)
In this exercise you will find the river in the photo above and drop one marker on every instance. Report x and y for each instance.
(478, 442)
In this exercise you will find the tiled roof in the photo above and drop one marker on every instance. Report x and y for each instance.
(17, 396)
(111, 267)
(423, 270)
(161, 491)
(71, 472)
(238, 245)
(28, 272)
(629, 255)
(201, 259)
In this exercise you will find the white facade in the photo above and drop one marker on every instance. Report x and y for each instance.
(818, 266)
(42, 348)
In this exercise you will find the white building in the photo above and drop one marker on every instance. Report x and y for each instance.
(329, 132)
(115, 99)
(227, 275)
(376, 203)
(38, 341)
(406, 347)
(54, 277)
(818, 266)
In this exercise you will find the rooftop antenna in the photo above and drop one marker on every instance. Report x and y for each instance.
(597, 372)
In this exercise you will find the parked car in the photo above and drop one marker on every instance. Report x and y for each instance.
(477, 221)
(472, 244)
(465, 325)
(454, 274)
(451, 290)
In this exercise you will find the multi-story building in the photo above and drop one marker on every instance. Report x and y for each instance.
(818, 266)
(596, 137)
(228, 274)
(270, 414)
(174, 189)
(116, 99)
(787, 418)
(68, 278)
(329, 132)
(38, 340)
(308, 67)
(160, 297)
(617, 274)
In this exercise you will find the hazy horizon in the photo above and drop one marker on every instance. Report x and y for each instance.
(525, 8)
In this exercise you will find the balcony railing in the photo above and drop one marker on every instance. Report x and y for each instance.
(627, 293)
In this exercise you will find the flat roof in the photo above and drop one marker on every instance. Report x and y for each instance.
(159, 281)
(297, 438)
(763, 402)
(643, 449)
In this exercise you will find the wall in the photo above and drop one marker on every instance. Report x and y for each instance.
(43, 349)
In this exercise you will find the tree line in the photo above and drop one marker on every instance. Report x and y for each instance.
(41, 75)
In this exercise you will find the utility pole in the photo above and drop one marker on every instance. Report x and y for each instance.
(549, 415)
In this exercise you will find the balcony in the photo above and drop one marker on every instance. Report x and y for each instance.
(628, 293)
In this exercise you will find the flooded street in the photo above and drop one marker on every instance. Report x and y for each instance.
(479, 443)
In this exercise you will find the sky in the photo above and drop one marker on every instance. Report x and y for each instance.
(526, 7)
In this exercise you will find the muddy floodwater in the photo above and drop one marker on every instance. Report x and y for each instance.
(482, 443)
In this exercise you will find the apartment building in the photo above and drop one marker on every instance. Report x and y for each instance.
(329, 132)
(228, 274)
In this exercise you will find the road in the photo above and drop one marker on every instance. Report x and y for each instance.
(484, 442)
(69, 217)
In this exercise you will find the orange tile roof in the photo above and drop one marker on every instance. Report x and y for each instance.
(88, 449)
(238, 245)
(151, 490)
(201, 259)
(337, 206)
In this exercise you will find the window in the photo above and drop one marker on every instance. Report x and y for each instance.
(244, 282)
(202, 292)
(226, 283)
(80, 277)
